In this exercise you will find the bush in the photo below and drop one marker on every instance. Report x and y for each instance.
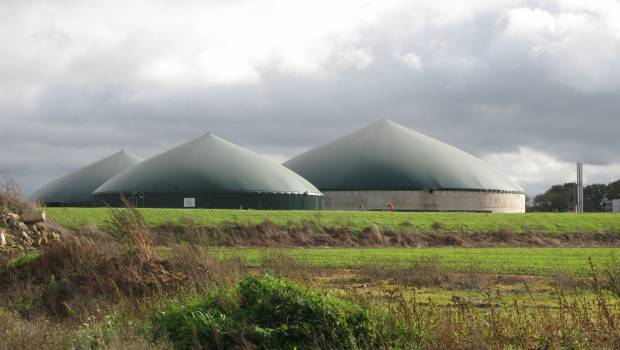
(268, 312)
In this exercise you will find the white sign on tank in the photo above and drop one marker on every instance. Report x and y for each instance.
(189, 202)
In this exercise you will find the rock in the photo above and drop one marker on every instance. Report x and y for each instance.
(12, 219)
(33, 217)
(22, 227)
(25, 231)
(26, 238)
(10, 239)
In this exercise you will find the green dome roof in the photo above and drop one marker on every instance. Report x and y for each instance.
(208, 164)
(78, 186)
(389, 156)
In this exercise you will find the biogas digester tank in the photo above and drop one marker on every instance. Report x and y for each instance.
(76, 188)
(388, 166)
(210, 172)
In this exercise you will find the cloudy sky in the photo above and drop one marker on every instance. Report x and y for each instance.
(530, 86)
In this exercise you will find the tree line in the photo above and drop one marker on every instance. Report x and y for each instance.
(596, 197)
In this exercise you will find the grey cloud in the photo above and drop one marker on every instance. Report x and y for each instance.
(478, 89)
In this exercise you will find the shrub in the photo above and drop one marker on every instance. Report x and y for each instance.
(268, 312)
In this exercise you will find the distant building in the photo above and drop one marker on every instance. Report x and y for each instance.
(615, 205)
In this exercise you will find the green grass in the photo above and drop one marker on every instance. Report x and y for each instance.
(23, 260)
(567, 223)
(526, 261)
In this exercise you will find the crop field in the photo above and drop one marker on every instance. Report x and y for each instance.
(561, 223)
(523, 261)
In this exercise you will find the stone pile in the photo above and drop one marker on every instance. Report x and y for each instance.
(25, 231)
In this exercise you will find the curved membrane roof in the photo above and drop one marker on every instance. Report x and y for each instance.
(208, 164)
(78, 186)
(389, 156)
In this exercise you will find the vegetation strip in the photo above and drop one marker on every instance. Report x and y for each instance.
(566, 223)
(525, 261)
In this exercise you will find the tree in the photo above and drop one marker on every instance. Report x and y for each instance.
(613, 190)
(563, 197)
(557, 198)
(594, 197)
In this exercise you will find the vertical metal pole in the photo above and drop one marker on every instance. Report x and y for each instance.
(577, 191)
(579, 204)
(580, 187)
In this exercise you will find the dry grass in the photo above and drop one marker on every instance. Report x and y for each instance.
(611, 277)
(66, 277)
(128, 225)
(17, 333)
(283, 265)
(268, 234)
(100, 288)
(427, 272)
(497, 323)
(576, 324)
(11, 199)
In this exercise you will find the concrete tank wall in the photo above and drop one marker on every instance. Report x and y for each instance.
(615, 205)
(496, 202)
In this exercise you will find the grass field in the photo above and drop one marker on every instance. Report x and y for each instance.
(525, 261)
(93, 290)
(567, 223)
